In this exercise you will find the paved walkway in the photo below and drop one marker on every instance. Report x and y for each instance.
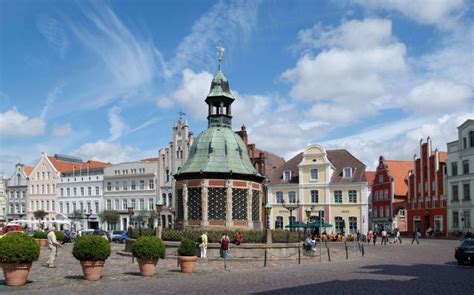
(428, 268)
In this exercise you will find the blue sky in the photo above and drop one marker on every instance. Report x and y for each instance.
(106, 80)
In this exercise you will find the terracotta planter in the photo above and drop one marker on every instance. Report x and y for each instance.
(16, 273)
(42, 242)
(92, 270)
(187, 263)
(147, 267)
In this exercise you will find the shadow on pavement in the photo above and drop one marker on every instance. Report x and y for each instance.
(74, 278)
(412, 279)
(132, 273)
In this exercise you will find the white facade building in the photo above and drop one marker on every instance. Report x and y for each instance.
(131, 185)
(460, 180)
(3, 198)
(172, 158)
(17, 190)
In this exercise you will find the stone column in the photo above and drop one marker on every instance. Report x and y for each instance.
(204, 203)
(228, 216)
(185, 204)
(249, 205)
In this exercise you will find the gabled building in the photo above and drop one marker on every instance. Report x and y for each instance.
(17, 190)
(426, 194)
(369, 175)
(171, 159)
(460, 180)
(332, 182)
(389, 195)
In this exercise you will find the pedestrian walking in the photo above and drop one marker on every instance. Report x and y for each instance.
(358, 236)
(415, 237)
(396, 236)
(375, 237)
(53, 245)
(203, 245)
(370, 234)
(225, 241)
(384, 237)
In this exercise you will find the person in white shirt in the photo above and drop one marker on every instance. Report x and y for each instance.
(53, 245)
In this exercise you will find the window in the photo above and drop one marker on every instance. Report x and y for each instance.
(314, 174)
(337, 196)
(402, 212)
(67, 208)
(142, 184)
(96, 207)
(291, 197)
(465, 167)
(116, 185)
(381, 211)
(141, 205)
(124, 185)
(151, 184)
(347, 172)
(387, 211)
(89, 207)
(61, 192)
(82, 191)
(109, 186)
(380, 178)
(134, 185)
(42, 188)
(455, 219)
(287, 175)
(124, 204)
(464, 142)
(471, 138)
(74, 208)
(81, 206)
(75, 191)
(454, 168)
(49, 175)
(375, 212)
(150, 204)
(353, 224)
(279, 197)
(338, 222)
(167, 175)
(116, 204)
(386, 194)
(109, 205)
(455, 193)
(53, 207)
(170, 199)
(47, 188)
(61, 207)
(279, 222)
(89, 191)
(467, 219)
(467, 195)
(314, 196)
(133, 204)
(352, 196)
(97, 191)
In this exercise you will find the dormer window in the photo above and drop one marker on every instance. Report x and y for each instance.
(347, 172)
(287, 175)
(314, 174)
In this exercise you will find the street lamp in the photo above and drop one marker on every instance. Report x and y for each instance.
(308, 212)
(290, 207)
(268, 211)
(320, 213)
(130, 213)
(158, 207)
(87, 214)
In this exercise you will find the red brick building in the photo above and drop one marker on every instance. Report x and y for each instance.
(389, 195)
(426, 195)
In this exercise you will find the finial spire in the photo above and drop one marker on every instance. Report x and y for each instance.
(181, 114)
(220, 54)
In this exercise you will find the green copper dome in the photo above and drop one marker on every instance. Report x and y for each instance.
(220, 86)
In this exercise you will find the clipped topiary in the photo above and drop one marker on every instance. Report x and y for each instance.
(187, 248)
(91, 248)
(149, 248)
(39, 234)
(18, 248)
(59, 235)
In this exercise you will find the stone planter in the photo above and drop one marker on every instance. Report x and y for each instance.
(92, 270)
(16, 273)
(42, 242)
(187, 263)
(147, 267)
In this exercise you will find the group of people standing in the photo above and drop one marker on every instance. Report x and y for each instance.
(372, 236)
(224, 245)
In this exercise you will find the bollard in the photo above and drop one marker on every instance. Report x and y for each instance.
(363, 251)
(299, 255)
(347, 254)
(329, 255)
(265, 259)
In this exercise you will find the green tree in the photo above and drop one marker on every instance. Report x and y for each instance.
(77, 215)
(109, 216)
(40, 214)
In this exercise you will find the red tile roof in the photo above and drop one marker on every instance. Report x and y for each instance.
(27, 170)
(63, 166)
(443, 156)
(399, 171)
(370, 175)
(150, 160)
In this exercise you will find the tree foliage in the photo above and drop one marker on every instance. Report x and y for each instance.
(40, 214)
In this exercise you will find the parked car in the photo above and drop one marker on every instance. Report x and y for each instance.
(69, 236)
(465, 252)
(102, 233)
(115, 234)
(122, 238)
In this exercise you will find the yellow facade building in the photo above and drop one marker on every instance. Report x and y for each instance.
(331, 183)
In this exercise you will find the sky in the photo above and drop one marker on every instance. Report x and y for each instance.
(105, 80)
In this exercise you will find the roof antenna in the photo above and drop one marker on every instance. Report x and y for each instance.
(220, 54)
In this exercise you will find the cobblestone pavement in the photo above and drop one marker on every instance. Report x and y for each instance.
(428, 268)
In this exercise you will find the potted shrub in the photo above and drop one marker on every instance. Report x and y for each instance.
(187, 255)
(91, 251)
(40, 238)
(17, 252)
(59, 236)
(148, 250)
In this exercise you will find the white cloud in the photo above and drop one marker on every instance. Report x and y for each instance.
(164, 102)
(436, 96)
(50, 99)
(117, 126)
(54, 33)
(443, 13)
(62, 130)
(16, 124)
(106, 151)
